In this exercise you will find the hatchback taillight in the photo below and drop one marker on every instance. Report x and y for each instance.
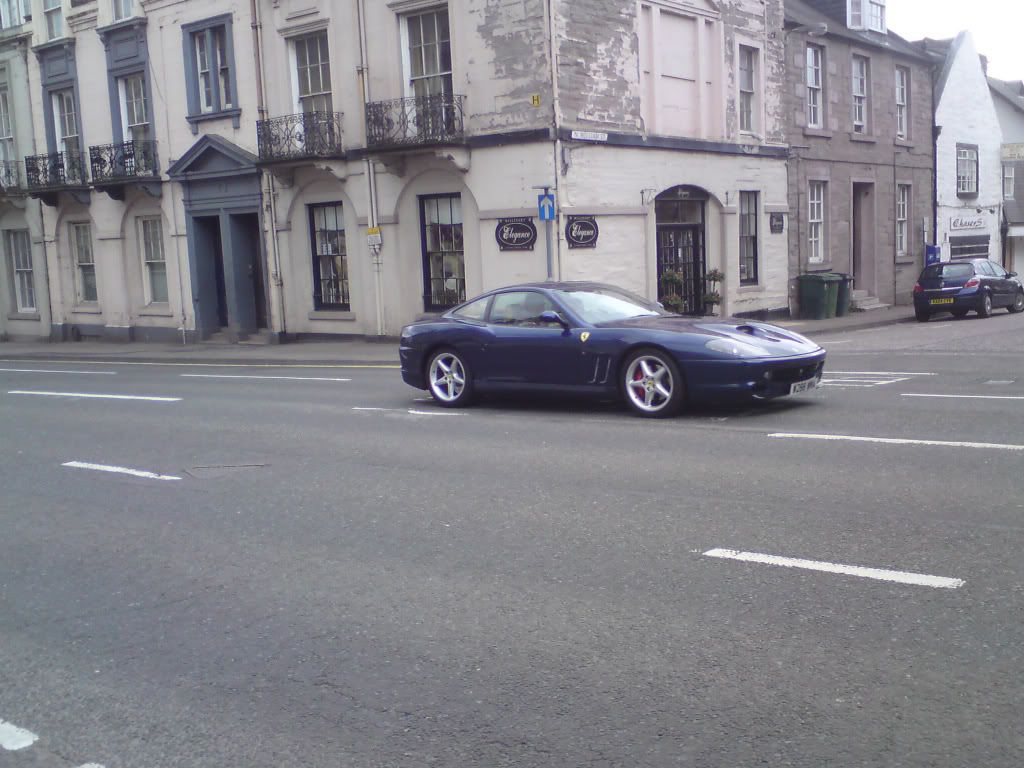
(918, 288)
(974, 282)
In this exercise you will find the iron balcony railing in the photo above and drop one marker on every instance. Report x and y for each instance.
(55, 170)
(417, 121)
(301, 136)
(10, 175)
(124, 161)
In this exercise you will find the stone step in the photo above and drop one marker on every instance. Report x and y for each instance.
(859, 293)
(868, 305)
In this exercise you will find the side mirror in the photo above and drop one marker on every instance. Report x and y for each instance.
(1011, 274)
(549, 316)
(660, 305)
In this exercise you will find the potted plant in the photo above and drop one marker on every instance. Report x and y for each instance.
(673, 302)
(711, 299)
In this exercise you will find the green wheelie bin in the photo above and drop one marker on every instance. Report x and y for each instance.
(843, 297)
(813, 293)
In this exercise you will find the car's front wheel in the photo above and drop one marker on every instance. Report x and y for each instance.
(985, 307)
(449, 379)
(1018, 302)
(652, 384)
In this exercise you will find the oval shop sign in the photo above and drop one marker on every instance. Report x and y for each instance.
(518, 234)
(582, 231)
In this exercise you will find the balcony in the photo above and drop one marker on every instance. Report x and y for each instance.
(11, 178)
(294, 138)
(421, 121)
(115, 166)
(47, 175)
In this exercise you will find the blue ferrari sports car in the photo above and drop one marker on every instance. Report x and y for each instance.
(590, 338)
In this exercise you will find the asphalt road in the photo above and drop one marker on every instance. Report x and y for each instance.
(345, 575)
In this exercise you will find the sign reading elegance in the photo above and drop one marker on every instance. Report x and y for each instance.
(581, 231)
(517, 234)
(967, 222)
(1012, 152)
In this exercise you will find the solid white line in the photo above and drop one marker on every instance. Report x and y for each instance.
(967, 397)
(880, 373)
(363, 408)
(434, 413)
(900, 441)
(119, 470)
(91, 765)
(234, 376)
(13, 738)
(844, 341)
(210, 365)
(881, 574)
(41, 370)
(93, 395)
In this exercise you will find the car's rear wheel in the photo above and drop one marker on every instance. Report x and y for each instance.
(449, 379)
(1018, 303)
(959, 313)
(922, 315)
(652, 384)
(985, 307)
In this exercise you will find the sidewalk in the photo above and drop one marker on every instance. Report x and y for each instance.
(346, 352)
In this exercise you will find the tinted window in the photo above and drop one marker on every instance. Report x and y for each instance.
(520, 308)
(475, 310)
(985, 268)
(1000, 272)
(605, 305)
(948, 270)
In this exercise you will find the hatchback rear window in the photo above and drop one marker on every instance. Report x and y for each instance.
(948, 270)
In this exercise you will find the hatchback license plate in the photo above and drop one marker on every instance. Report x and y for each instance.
(941, 301)
(802, 386)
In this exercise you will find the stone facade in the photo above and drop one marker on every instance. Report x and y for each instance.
(861, 171)
(1008, 100)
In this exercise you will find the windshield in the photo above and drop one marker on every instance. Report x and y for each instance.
(604, 304)
(949, 270)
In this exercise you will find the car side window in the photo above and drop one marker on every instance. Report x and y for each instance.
(1000, 272)
(986, 269)
(475, 310)
(521, 308)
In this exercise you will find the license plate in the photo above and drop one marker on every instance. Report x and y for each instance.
(802, 386)
(941, 301)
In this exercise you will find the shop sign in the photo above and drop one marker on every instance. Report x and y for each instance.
(517, 234)
(581, 231)
(777, 223)
(967, 222)
(1013, 152)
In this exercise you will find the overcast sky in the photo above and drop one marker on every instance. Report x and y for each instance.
(997, 27)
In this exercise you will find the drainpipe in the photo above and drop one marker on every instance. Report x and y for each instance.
(371, 177)
(556, 109)
(267, 187)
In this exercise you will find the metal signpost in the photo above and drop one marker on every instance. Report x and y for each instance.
(546, 213)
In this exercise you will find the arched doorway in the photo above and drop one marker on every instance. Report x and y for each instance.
(680, 215)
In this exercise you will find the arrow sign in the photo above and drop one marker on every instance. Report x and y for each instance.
(546, 207)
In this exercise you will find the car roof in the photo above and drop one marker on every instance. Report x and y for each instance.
(552, 285)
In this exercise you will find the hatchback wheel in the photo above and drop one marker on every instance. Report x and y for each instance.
(1018, 302)
(985, 309)
(922, 315)
(652, 384)
(449, 380)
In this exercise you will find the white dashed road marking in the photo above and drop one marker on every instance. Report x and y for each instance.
(899, 441)
(966, 397)
(13, 738)
(119, 470)
(232, 376)
(880, 574)
(94, 395)
(42, 370)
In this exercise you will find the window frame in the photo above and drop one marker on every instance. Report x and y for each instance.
(324, 67)
(147, 262)
(446, 77)
(816, 225)
(122, 9)
(429, 305)
(125, 103)
(816, 89)
(969, 190)
(752, 109)
(222, 74)
(343, 278)
(863, 106)
(8, 148)
(12, 14)
(1009, 175)
(55, 30)
(22, 276)
(903, 202)
(902, 95)
(81, 267)
(749, 268)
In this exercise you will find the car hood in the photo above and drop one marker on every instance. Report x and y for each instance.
(771, 338)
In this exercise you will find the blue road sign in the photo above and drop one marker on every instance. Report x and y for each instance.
(546, 207)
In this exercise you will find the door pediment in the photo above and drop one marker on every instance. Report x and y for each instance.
(213, 156)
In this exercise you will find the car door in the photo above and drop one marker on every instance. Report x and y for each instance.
(1007, 288)
(525, 350)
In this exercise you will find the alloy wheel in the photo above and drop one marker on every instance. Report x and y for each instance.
(1018, 303)
(447, 377)
(649, 383)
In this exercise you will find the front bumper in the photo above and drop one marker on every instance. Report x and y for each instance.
(760, 379)
(412, 367)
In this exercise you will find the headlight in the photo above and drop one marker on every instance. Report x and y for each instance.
(736, 348)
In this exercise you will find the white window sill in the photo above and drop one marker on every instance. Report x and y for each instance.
(332, 315)
(752, 288)
(86, 309)
(26, 315)
(867, 138)
(156, 310)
